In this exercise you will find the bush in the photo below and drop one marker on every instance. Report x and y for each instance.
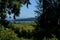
(7, 34)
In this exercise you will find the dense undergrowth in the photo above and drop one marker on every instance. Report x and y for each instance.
(19, 31)
(7, 34)
(16, 31)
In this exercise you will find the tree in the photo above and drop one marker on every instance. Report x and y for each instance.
(12, 7)
(47, 20)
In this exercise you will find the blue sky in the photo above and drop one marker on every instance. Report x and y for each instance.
(27, 12)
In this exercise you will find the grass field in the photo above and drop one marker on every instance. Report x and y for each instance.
(23, 26)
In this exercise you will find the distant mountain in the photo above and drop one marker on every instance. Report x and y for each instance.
(26, 19)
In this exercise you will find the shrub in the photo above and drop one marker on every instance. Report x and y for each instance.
(7, 34)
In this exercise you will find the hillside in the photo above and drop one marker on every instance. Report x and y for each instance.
(26, 19)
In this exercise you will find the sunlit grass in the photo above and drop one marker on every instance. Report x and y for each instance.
(23, 26)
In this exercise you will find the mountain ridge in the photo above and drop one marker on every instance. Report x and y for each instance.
(26, 19)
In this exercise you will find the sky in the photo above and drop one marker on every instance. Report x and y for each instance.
(26, 12)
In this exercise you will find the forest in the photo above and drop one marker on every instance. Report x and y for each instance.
(46, 26)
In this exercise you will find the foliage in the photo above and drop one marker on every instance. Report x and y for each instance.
(23, 29)
(7, 34)
(11, 7)
(47, 21)
(10, 33)
(27, 30)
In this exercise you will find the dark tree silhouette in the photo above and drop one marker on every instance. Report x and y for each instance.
(47, 20)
